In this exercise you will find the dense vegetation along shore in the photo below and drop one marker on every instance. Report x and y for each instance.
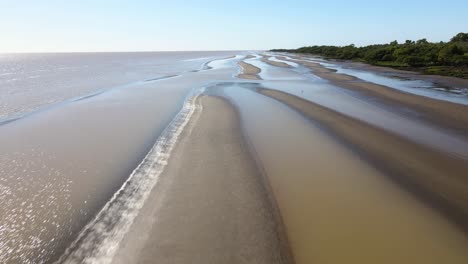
(442, 58)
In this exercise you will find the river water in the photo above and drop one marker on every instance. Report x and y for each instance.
(84, 137)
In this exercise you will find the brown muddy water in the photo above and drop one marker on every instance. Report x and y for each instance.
(337, 208)
(59, 166)
(76, 171)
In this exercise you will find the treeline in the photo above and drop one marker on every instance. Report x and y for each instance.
(451, 56)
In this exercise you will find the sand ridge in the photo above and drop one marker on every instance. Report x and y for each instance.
(266, 59)
(212, 205)
(446, 114)
(248, 71)
(437, 178)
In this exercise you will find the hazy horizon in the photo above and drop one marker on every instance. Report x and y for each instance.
(121, 26)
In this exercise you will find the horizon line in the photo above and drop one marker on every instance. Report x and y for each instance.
(123, 51)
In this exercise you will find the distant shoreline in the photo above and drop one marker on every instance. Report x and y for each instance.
(441, 58)
(445, 113)
(446, 71)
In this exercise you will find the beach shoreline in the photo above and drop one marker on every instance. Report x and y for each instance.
(446, 114)
(211, 203)
(447, 81)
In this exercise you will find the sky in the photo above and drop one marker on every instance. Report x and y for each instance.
(145, 25)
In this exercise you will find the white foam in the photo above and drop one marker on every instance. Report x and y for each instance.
(100, 239)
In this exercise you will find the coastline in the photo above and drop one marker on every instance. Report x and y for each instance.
(211, 204)
(291, 175)
(448, 81)
(446, 114)
(65, 163)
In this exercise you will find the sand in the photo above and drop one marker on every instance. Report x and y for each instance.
(437, 178)
(266, 59)
(62, 165)
(212, 205)
(446, 114)
(248, 71)
(336, 207)
(438, 79)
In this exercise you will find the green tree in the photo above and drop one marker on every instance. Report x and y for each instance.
(422, 41)
(460, 37)
(420, 53)
(451, 54)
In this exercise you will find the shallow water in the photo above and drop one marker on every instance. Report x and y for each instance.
(419, 87)
(336, 208)
(72, 149)
(59, 166)
(360, 108)
(275, 73)
(295, 81)
(32, 81)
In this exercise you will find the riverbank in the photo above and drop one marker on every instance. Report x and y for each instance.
(446, 114)
(397, 72)
(442, 58)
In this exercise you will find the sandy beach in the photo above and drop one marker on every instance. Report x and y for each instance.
(446, 114)
(248, 71)
(212, 205)
(443, 80)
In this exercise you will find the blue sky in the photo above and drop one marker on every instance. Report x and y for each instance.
(138, 25)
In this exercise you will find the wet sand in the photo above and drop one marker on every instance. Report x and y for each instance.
(60, 166)
(438, 79)
(211, 205)
(266, 59)
(248, 71)
(336, 207)
(437, 178)
(446, 114)
(442, 80)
